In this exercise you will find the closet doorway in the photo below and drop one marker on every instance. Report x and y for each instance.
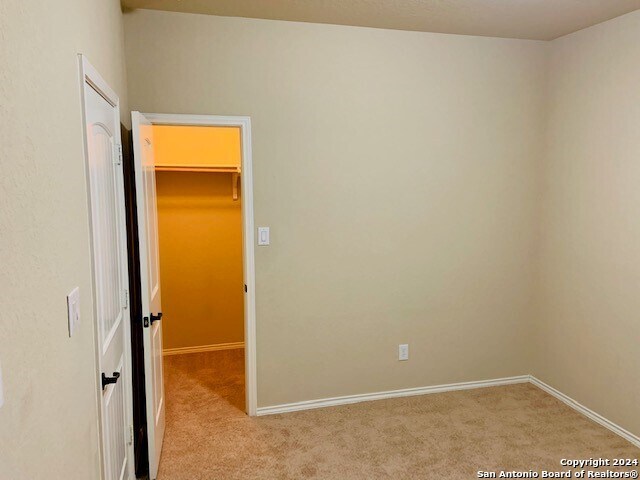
(196, 237)
(198, 170)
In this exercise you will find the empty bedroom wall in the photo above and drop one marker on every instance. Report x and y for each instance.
(398, 173)
(588, 340)
(49, 422)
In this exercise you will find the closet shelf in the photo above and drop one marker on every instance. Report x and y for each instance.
(234, 171)
(197, 168)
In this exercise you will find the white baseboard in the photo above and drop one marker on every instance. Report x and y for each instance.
(407, 392)
(617, 429)
(202, 348)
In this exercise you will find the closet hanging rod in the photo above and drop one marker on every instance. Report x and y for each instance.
(196, 168)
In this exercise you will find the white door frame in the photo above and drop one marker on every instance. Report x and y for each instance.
(89, 75)
(246, 179)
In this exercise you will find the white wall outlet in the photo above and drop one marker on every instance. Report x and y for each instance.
(263, 235)
(73, 310)
(403, 351)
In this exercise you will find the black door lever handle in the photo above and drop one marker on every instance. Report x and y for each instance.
(107, 380)
(155, 318)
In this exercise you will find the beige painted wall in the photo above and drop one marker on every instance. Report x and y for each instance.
(200, 234)
(444, 202)
(49, 423)
(397, 172)
(589, 330)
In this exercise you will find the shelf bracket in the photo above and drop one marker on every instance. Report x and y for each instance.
(235, 177)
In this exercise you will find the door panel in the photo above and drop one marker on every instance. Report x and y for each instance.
(104, 211)
(114, 409)
(158, 387)
(150, 285)
(151, 217)
(110, 275)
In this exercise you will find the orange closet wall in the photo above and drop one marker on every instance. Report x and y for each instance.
(200, 230)
(200, 146)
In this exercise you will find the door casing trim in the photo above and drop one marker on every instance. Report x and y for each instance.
(248, 233)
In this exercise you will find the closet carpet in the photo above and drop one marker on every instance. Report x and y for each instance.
(438, 436)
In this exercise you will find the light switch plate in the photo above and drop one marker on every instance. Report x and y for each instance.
(403, 351)
(73, 310)
(263, 235)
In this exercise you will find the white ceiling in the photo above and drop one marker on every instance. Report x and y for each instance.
(532, 19)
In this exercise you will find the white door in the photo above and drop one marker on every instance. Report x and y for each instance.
(150, 285)
(108, 228)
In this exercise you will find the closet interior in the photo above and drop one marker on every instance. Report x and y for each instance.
(199, 199)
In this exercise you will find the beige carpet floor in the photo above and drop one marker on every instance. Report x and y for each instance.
(439, 436)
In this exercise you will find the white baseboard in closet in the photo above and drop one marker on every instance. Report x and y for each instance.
(203, 348)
